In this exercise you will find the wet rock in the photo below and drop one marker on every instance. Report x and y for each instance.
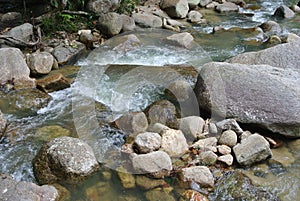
(14, 69)
(147, 142)
(64, 159)
(23, 32)
(127, 179)
(192, 127)
(174, 143)
(246, 101)
(132, 122)
(128, 23)
(40, 63)
(54, 82)
(283, 156)
(149, 183)
(175, 9)
(68, 54)
(271, 27)
(110, 24)
(147, 20)
(190, 195)
(13, 190)
(3, 123)
(102, 6)
(48, 133)
(224, 149)
(184, 39)
(227, 159)
(227, 7)
(23, 102)
(228, 138)
(229, 124)
(208, 158)
(274, 40)
(193, 3)
(194, 16)
(157, 164)
(163, 112)
(199, 174)
(158, 194)
(284, 12)
(236, 186)
(100, 191)
(272, 56)
(253, 149)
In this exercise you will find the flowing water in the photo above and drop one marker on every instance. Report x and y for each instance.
(74, 108)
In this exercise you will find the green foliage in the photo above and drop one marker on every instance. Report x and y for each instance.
(65, 22)
(127, 6)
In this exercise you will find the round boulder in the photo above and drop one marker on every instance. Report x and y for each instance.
(147, 142)
(40, 63)
(110, 24)
(228, 138)
(64, 159)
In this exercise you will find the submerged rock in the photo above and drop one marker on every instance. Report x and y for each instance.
(54, 82)
(253, 149)
(260, 95)
(13, 190)
(149, 183)
(64, 159)
(48, 133)
(159, 194)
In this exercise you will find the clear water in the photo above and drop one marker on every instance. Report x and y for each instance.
(96, 84)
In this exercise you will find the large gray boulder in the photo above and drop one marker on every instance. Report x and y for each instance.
(102, 6)
(13, 190)
(260, 95)
(110, 24)
(23, 32)
(147, 20)
(64, 159)
(175, 8)
(283, 56)
(253, 149)
(14, 68)
(157, 164)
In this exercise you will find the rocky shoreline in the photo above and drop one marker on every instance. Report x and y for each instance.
(256, 89)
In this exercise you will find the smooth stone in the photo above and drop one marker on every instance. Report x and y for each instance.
(174, 143)
(228, 138)
(132, 122)
(199, 174)
(147, 142)
(227, 159)
(192, 127)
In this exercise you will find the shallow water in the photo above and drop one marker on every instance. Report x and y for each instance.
(20, 146)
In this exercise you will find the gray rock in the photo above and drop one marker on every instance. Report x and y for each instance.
(126, 43)
(175, 8)
(199, 174)
(68, 54)
(40, 63)
(227, 7)
(212, 5)
(253, 149)
(192, 127)
(227, 159)
(64, 159)
(102, 6)
(229, 124)
(158, 128)
(23, 191)
(128, 23)
(206, 144)
(132, 122)
(293, 38)
(245, 134)
(23, 32)
(3, 123)
(86, 37)
(184, 39)
(204, 3)
(14, 68)
(224, 149)
(284, 12)
(158, 164)
(241, 3)
(271, 102)
(180, 90)
(110, 24)
(163, 112)
(53, 82)
(174, 143)
(194, 16)
(193, 3)
(11, 17)
(147, 20)
(271, 27)
(208, 158)
(212, 128)
(147, 142)
(228, 138)
(295, 8)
